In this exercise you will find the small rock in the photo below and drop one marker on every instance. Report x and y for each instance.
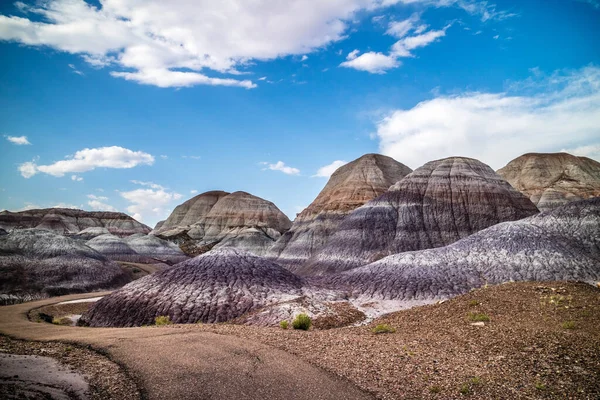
(478, 324)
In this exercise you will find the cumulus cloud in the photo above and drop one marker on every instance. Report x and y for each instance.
(76, 178)
(149, 205)
(97, 203)
(542, 113)
(180, 43)
(90, 159)
(18, 140)
(375, 63)
(327, 170)
(590, 151)
(280, 166)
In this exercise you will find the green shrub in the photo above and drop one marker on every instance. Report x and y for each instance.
(540, 386)
(473, 303)
(568, 325)
(435, 389)
(162, 320)
(284, 324)
(62, 321)
(383, 328)
(479, 317)
(464, 389)
(302, 321)
(476, 381)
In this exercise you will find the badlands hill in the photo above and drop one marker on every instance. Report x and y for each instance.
(554, 179)
(137, 248)
(70, 221)
(437, 204)
(219, 219)
(214, 287)
(38, 263)
(349, 187)
(561, 244)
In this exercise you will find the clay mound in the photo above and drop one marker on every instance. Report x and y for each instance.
(562, 244)
(152, 247)
(349, 187)
(553, 179)
(69, 221)
(90, 233)
(223, 219)
(218, 286)
(38, 263)
(437, 204)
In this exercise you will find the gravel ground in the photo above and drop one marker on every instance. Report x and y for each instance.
(106, 379)
(541, 342)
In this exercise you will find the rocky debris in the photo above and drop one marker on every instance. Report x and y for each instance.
(349, 187)
(523, 353)
(218, 286)
(437, 204)
(561, 244)
(37, 263)
(137, 248)
(220, 219)
(553, 179)
(3, 232)
(70, 221)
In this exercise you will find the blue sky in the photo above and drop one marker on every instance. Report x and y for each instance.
(104, 105)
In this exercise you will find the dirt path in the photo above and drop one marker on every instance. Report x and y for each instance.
(191, 364)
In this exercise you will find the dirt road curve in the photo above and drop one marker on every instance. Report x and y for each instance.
(175, 363)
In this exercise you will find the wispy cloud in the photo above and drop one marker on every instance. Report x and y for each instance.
(280, 166)
(18, 140)
(98, 203)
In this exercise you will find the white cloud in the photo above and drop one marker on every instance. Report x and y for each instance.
(403, 47)
(375, 63)
(149, 184)
(76, 178)
(496, 37)
(280, 166)
(399, 29)
(28, 169)
(164, 157)
(18, 140)
(352, 55)
(379, 63)
(66, 205)
(262, 78)
(193, 191)
(97, 203)
(593, 3)
(192, 157)
(304, 58)
(90, 159)
(172, 44)
(327, 170)
(149, 205)
(550, 113)
(590, 151)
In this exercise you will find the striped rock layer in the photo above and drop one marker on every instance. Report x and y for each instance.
(226, 220)
(551, 180)
(349, 187)
(70, 221)
(437, 204)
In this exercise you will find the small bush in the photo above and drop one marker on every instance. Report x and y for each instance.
(464, 389)
(568, 325)
(384, 328)
(435, 389)
(162, 320)
(540, 386)
(302, 321)
(473, 303)
(479, 317)
(284, 324)
(61, 321)
(476, 381)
